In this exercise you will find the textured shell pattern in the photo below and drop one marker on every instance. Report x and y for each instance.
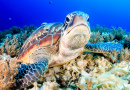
(45, 36)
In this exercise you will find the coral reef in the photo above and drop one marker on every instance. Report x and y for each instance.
(101, 29)
(115, 34)
(125, 55)
(16, 30)
(96, 37)
(8, 70)
(126, 41)
(89, 71)
(12, 45)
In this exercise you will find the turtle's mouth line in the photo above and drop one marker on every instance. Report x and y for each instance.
(77, 26)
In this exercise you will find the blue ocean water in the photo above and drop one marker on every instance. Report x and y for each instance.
(27, 12)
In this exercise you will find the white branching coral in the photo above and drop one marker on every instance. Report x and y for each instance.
(88, 73)
(118, 76)
(4, 56)
(49, 86)
(109, 81)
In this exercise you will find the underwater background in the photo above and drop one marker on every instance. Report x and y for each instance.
(105, 67)
(28, 12)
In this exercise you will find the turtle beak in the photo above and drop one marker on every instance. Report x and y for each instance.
(79, 20)
(79, 29)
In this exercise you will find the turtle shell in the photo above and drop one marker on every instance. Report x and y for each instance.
(45, 36)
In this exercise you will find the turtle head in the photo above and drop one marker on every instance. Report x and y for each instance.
(76, 30)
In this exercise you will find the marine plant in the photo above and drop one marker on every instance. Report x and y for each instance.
(8, 69)
(101, 29)
(118, 33)
(125, 55)
(126, 41)
(96, 37)
(16, 30)
(12, 44)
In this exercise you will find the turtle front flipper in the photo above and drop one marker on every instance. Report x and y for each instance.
(102, 47)
(29, 73)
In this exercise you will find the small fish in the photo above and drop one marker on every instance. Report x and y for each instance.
(10, 19)
(50, 2)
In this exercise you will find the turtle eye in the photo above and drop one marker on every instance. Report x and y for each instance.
(67, 19)
(87, 19)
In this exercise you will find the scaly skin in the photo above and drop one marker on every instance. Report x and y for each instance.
(102, 47)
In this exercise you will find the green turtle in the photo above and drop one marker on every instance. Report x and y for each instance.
(54, 44)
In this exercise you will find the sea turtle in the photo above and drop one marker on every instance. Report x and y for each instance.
(55, 44)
